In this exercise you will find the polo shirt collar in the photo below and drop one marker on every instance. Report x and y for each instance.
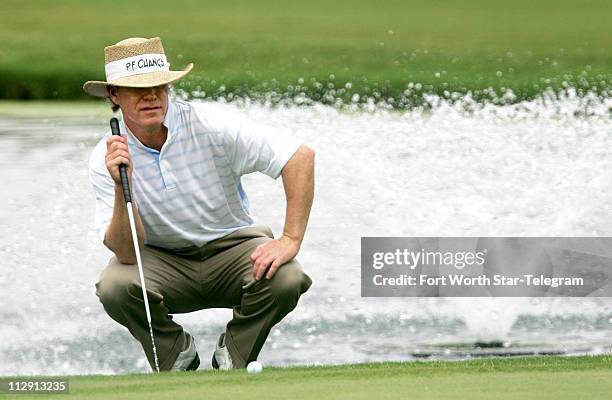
(170, 118)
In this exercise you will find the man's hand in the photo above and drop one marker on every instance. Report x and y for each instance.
(273, 254)
(117, 153)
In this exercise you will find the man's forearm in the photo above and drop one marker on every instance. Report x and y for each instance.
(118, 235)
(298, 181)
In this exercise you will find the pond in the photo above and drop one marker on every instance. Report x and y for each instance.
(539, 168)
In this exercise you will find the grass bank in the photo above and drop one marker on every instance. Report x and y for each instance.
(348, 50)
(545, 377)
(54, 109)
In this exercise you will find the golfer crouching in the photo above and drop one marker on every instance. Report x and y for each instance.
(199, 246)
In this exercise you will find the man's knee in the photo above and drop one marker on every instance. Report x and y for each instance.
(290, 282)
(117, 283)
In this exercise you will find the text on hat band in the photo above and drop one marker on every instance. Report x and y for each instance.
(140, 64)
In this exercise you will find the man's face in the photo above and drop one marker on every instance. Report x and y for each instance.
(142, 107)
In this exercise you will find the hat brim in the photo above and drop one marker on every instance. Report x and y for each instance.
(151, 79)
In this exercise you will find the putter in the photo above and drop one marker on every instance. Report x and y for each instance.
(125, 184)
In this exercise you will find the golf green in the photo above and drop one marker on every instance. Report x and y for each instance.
(350, 50)
(541, 377)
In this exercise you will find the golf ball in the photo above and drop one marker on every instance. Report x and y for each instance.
(254, 367)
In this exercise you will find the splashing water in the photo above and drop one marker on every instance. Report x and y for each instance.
(453, 167)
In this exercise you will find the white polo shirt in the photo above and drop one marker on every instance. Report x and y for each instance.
(190, 193)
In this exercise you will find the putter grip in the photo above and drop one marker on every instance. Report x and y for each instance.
(125, 184)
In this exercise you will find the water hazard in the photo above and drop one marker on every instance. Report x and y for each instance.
(460, 168)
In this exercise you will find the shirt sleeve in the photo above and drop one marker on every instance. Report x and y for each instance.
(104, 189)
(254, 146)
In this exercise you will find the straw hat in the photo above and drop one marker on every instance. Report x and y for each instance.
(135, 62)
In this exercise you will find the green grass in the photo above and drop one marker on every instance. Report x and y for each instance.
(53, 109)
(545, 377)
(48, 49)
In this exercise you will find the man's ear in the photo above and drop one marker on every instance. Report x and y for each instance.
(112, 93)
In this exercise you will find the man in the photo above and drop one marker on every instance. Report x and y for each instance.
(200, 248)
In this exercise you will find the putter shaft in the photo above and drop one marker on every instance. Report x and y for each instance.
(125, 184)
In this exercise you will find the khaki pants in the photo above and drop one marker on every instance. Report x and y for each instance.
(216, 275)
